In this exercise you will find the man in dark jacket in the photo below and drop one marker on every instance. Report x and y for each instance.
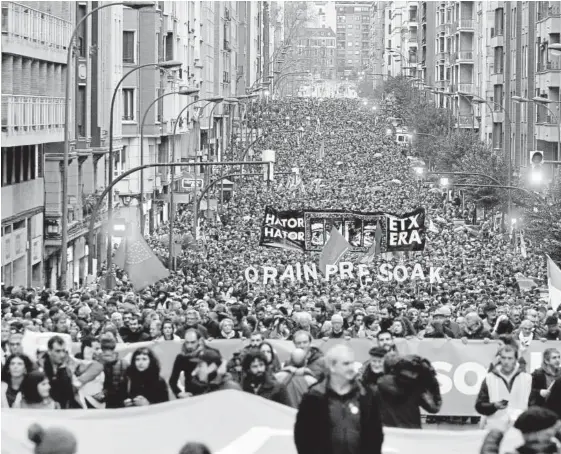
(474, 328)
(373, 369)
(410, 384)
(210, 373)
(314, 359)
(339, 415)
(186, 361)
(256, 379)
(544, 376)
(114, 369)
(55, 363)
(134, 333)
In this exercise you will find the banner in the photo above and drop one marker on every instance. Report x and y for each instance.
(460, 367)
(248, 424)
(283, 229)
(401, 232)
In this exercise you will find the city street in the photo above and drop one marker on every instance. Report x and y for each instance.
(351, 210)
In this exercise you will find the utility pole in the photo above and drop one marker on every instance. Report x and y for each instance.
(266, 39)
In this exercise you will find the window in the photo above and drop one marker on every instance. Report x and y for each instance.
(17, 166)
(82, 33)
(349, 26)
(119, 161)
(128, 46)
(128, 104)
(169, 47)
(81, 113)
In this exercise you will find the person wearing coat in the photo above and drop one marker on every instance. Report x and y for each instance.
(259, 381)
(544, 376)
(142, 384)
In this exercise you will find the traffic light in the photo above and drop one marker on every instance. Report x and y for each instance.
(536, 162)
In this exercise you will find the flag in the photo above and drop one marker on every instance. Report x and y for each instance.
(432, 227)
(322, 149)
(523, 246)
(333, 250)
(554, 283)
(136, 258)
(376, 247)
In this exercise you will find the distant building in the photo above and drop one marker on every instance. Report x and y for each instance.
(353, 38)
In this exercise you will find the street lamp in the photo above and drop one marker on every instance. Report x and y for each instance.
(171, 64)
(184, 91)
(66, 150)
(171, 189)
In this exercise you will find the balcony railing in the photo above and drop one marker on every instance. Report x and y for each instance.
(31, 113)
(549, 66)
(497, 32)
(466, 24)
(23, 23)
(466, 88)
(545, 119)
(465, 55)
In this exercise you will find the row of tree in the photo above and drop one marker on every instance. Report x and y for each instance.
(446, 148)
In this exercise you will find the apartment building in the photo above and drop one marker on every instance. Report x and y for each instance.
(353, 38)
(401, 38)
(377, 42)
(35, 38)
(426, 41)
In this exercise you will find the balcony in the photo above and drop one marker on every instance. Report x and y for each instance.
(33, 33)
(467, 122)
(21, 197)
(549, 66)
(465, 57)
(467, 88)
(545, 12)
(547, 129)
(466, 25)
(31, 119)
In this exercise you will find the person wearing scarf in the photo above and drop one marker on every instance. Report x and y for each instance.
(543, 377)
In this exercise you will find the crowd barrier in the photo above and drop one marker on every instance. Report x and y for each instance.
(461, 367)
(229, 422)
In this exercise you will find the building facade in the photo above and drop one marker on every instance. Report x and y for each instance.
(218, 54)
(353, 39)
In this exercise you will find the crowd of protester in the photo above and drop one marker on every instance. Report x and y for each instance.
(346, 160)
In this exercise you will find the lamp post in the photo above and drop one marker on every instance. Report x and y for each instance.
(171, 189)
(185, 91)
(162, 65)
(66, 150)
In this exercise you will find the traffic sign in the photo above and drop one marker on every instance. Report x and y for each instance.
(187, 183)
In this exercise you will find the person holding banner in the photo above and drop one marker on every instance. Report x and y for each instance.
(504, 393)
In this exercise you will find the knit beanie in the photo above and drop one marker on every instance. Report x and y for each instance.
(535, 419)
(55, 440)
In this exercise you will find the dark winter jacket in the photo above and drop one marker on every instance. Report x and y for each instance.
(60, 379)
(155, 390)
(480, 333)
(186, 363)
(270, 389)
(314, 426)
(316, 363)
(219, 383)
(132, 337)
(492, 443)
(553, 402)
(114, 374)
(539, 382)
(401, 403)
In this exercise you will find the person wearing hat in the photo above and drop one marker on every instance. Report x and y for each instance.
(209, 373)
(55, 440)
(540, 429)
(451, 328)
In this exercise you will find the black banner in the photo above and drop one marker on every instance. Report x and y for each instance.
(283, 229)
(308, 230)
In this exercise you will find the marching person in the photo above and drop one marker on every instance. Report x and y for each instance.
(258, 380)
(186, 362)
(410, 384)
(296, 377)
(544, 376)
(210, 373)
(504, 393)
(338, 415)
